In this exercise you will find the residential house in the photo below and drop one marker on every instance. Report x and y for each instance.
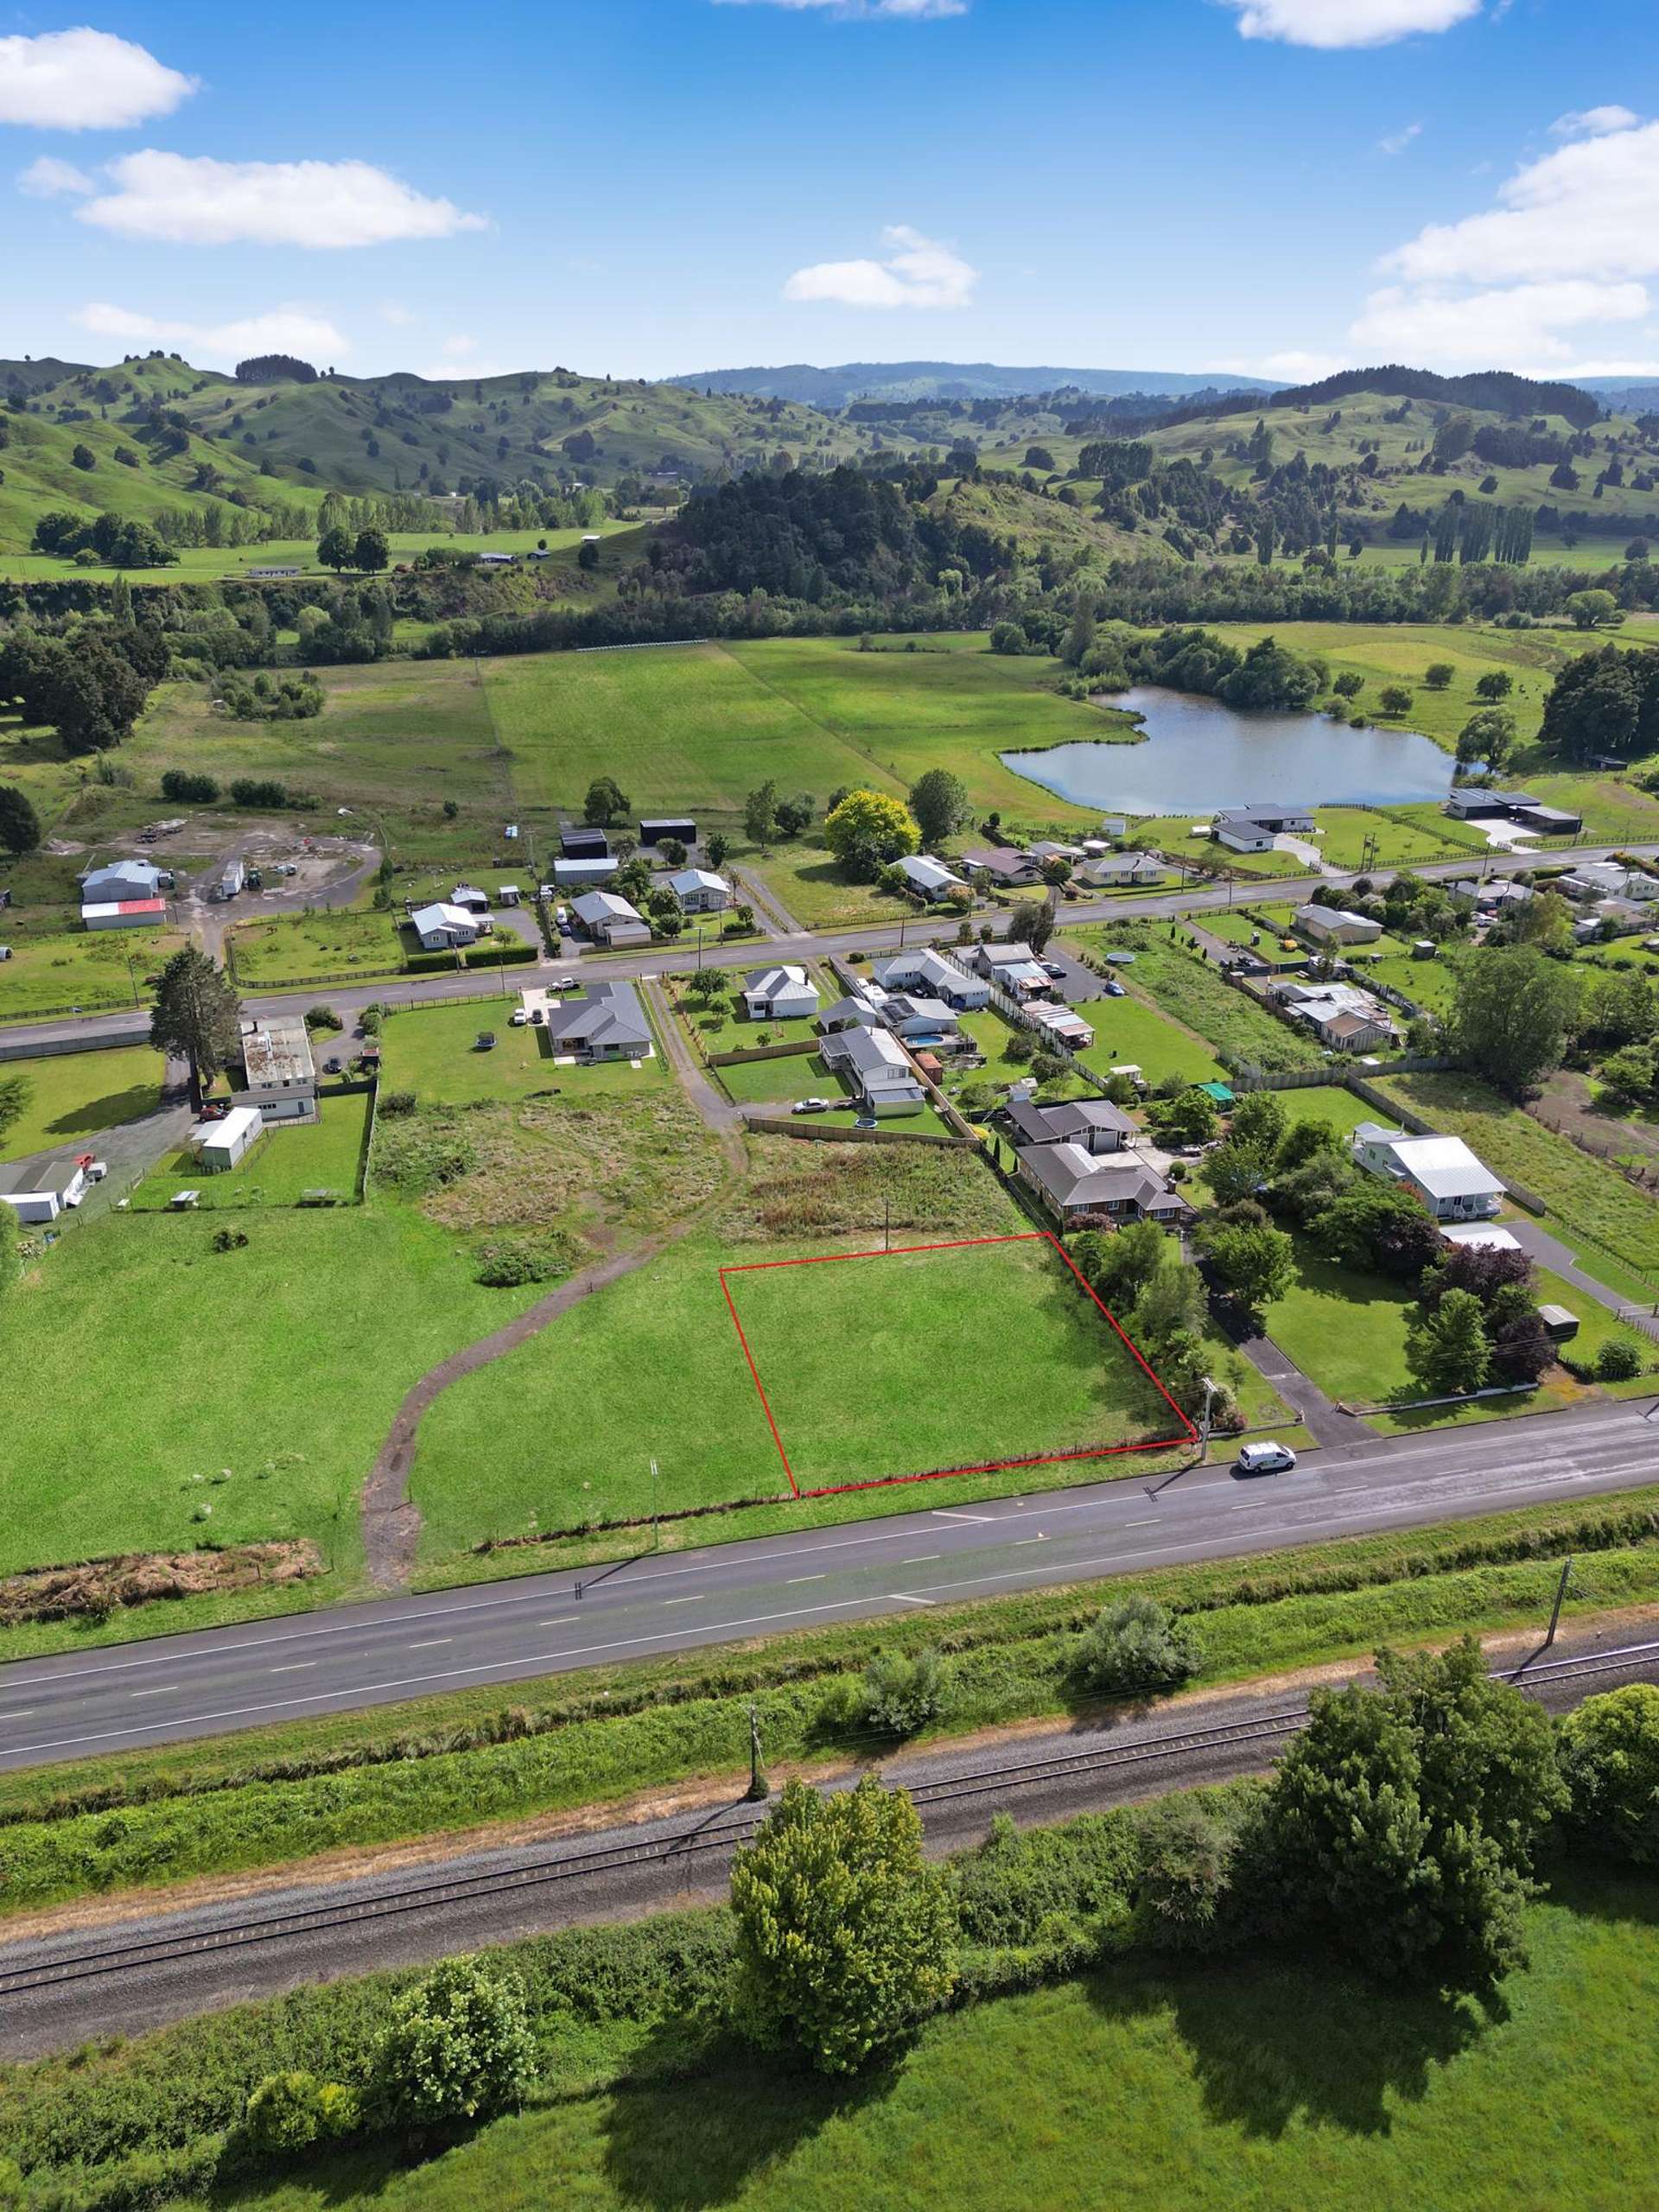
(1341, 1015)
(441, 927)
(220, 1145)
(1609, 879)
(1093, 1123)
(929, 878)
(929, 971)
(1253, 828)
(919, 1021)
(700, 892)
(1116, 871)
(1062, 1024)
(608, 919)
(279, 1077)
(1016, 969)
(38, 1191)
(875, 1065)
(468, 897)
(1084, 1190)
(584, 875)
(1547, 821)
(1335, 925)
(1493, 895)
(779, 994)
(848, 1014)
(1473, 803)
(606, 1022)
(1043, 849)
(579, 841)
(1003, 864)
(1441, 1173)
(663, 826)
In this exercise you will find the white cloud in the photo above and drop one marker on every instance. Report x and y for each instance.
(1591, 122)
(1589, 209)
(194, 200)
(1397, 141)
(1291, 368)
(918, 272)
(396, 313)
(1516, 326)
(1568, 248)
(460, 347)
(864, 11)
(84, 80)
(283, 330)
(1334, 23)
(49, 178)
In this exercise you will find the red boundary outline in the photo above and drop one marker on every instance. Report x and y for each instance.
(1188, 1434)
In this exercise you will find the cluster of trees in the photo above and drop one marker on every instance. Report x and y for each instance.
(1401, 1831)
(1604, 703)
(115, 541)
(88, 683)
(367, 552)
(273, 698)
(1139, 1273)
(867, 831)
(1267, 674)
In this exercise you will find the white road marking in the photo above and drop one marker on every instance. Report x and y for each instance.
(1021, 1542)
(697, 1597)
(1152, 1523)
(903, 1597)
(922, 1559)
(295, 1667)
(955, 1513)
(432, 1643)
(794, 1578)
(161, 1692)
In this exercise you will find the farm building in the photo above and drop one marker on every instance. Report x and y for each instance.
(578, 875)
(581, 842)
(220, 1145)
(279, 1076)
(125, 914)
(678, 826)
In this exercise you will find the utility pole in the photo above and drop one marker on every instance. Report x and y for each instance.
(887, 1224)
(656, 1511)
(1210, 1389)
(1555, 1612)
(760, 1789)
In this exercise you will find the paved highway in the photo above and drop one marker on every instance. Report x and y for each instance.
(214, 1681)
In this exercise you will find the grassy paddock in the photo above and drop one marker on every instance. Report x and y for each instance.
(72, 1096)
(91, 970)
(326, 1154)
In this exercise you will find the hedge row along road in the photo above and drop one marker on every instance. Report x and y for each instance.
(214, 1681)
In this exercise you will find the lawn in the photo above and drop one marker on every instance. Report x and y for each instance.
(433, 1050)
(253, 1386)
(1183, 984)
(70, 1097)
(1588, 1201)
(1251, 2086)
(809, 883)
(334, 944)
(287, 1162)
(46, 974)
(916, 1396)
(1130, 1033)
(1329, 1103)
(994, 1034)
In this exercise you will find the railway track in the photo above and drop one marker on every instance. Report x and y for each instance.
(141, 1953)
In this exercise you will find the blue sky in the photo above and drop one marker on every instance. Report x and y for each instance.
(653, 187)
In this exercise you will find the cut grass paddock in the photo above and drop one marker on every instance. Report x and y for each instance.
(287, 1163)
(71, 1097)
(101, 969)
(878, 1366)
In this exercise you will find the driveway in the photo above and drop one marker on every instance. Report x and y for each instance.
(1549, 1252)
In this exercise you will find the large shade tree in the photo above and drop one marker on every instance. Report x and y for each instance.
(196, 1017)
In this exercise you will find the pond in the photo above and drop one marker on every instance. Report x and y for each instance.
(1200, 755)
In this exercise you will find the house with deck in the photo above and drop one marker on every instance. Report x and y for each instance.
(1446, 1178)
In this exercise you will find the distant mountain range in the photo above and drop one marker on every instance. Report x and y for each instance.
(911, 381)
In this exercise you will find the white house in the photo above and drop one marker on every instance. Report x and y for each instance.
(1441, 1174)
(441, 927)
(224, 1144)
(928, 971)
(929, 878)
(1609, 879)
(1335, 925)
(1112, 871)
(610, 920)
(779, 994)
(279, 1077)
(700, 892)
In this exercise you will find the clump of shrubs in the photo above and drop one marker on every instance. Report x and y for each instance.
(1136, 1645)
(507, 1261)
(1617, 1361)
(290, 2113)
(902, 1691)
(229, 1240)
(396, 1103)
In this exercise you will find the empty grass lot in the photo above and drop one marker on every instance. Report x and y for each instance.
(1253, 2086)
(326, 1154)
(338, 945)
(876, 1367)
(1130, 1033)
(1182, 983)
(70, 1097)
(88, 970)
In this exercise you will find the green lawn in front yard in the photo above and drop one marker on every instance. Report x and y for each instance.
(251, 1387)
(1191, 990)
(433, 1050)
(1327, 1101)
(914, 1397)
(1130, 1033)
(102, 968)
(809, 883)
(71, 1097)
(1257, 2084)
(338, 944)
(287, 1161)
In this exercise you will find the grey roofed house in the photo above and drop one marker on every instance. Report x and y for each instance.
(779, 993)
(1002, 863)
(924, 969)
(849, 1014)
(929, 877)
(1077, 1186)
(610, 920)
(699, 891)
(605, 1023)
(1093, 1123)
(874, 1062)
(118, 880)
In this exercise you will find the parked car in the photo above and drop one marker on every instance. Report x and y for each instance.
(564, 983)
(1053, 967)
(332, 1066)
(214, 1110)
(517, 1019)
(812, 1106)
(1112, 988)
(1265, 1459)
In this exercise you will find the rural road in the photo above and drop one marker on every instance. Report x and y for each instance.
(757, 952)
(211, 1683)
(58, 1988)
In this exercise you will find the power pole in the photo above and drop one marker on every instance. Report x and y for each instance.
(759, 1788)
(656, 1512)
(1556, 1613)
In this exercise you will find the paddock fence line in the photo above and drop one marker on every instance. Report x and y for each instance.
(780, 1125)
(54, 1047)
